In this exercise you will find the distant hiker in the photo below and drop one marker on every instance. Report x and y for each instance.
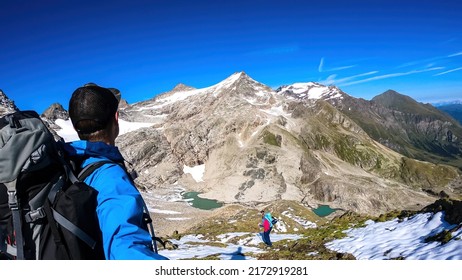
(120, 207)
(266, 223)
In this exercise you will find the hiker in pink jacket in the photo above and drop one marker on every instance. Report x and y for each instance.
(267, 227)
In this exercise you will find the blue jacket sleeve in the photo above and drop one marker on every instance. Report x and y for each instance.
(120, 214)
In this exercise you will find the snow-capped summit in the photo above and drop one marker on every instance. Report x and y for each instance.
(238, 84)
(310, 90)
(181, 92)
(241, 84)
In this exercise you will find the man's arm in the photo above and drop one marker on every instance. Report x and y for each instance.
(120, 214)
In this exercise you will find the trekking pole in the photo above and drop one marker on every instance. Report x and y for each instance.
(153, 237)
(151, 227)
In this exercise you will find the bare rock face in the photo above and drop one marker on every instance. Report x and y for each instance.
(451, 208)
(259, 145)
(51, 114)
(54, 112)
(151, 155)
(7, 106)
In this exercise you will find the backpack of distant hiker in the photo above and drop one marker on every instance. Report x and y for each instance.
(46, 212)
(272, 221)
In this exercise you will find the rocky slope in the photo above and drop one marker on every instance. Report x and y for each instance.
(408, 127)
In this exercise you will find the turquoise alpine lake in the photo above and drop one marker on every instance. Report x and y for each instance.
(202, 203)
(324, 210)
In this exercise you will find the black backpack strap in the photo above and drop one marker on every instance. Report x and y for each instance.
(60, 219)
(89, 169)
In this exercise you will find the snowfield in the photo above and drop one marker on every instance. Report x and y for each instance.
(406, 239)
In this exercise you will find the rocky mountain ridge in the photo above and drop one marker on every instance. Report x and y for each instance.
(413, 129)
(260, 145)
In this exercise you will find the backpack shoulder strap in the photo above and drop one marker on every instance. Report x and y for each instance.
(89, 169)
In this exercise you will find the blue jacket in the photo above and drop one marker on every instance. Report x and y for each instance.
(120, 205)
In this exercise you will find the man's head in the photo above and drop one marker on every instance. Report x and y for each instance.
(93, 112)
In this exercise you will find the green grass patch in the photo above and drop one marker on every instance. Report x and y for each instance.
(272, 139)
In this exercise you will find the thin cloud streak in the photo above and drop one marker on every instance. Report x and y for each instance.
(321, 65)
(381, 77)
(331, 79)
(455, 54)
(429, 60)
(341, 68)
(449, 71)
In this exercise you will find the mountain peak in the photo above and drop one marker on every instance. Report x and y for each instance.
(393, 99)
(7, 106)
(399, 102)
(182, 87)
(236, 77)
(55, 111)
(391, 92)
(242, 84)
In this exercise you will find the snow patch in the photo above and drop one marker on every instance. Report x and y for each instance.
(168, 212)
(68, 133)
(304, 223)
(197, 172)
(190, 246)
(395, 239)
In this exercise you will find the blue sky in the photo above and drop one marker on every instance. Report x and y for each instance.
(48, 48)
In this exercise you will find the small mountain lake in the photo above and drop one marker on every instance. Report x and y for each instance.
(207, 204)
(323, 210)
(202, 203)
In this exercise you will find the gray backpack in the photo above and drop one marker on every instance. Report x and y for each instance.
(46, 212)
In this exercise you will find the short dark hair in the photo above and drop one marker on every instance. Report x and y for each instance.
(91, 108)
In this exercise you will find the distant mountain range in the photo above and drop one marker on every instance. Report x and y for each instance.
(444, 103)
(453, 109)
(303, 142)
